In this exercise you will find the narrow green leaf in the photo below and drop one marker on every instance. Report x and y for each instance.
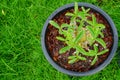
(100, 26)
(91, 30)
(54, 24)
(90, 22)
(88, 10)
(76, 8)
(77, 20)
(64, 49)
(79, 36)
(60, 31)
(91, 53)
(94, 60)
(65, 25)
(80, 26)
(91, 41)
(81, 50)
(95, 48)
(60, 38)
(72, 20)
(83, 9)
(76, 52)
(101, 34)
(71, 57)
(7, 66)
(68, 36)
(69, 14)
(101, 42)
(94, 20)
(82, 15)
(72, 61)
(103, 52)
(81, 58)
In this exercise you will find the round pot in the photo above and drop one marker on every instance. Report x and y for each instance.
(92, 71)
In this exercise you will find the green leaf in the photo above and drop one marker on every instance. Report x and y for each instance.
(91, 41)
(83, 9)
(77, 20)
(79, 36)
(71, 57)
(76, 8)
(82, 15)
(60, 31)
(101, 34)
(72, 20)
(69, 14)
(91, 30)
(80, 26)
(76, 52)
(81, 50)
(89, 22)
(101, 42)
(65, 25)
(64, 49)
(81, 58)
(60, 38)
(70, 30)
(94, 60)
(72, 61)
(91, 53)
(68, 36)
(103, 52)
(54, 24)
(101, 26)
(94, 20)
(88, 10)
(95, 48)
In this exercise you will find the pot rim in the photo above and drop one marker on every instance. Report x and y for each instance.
(95, 70)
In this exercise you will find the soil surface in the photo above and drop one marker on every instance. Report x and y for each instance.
(53, 45)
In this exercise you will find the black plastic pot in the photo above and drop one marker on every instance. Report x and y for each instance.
(100, 67)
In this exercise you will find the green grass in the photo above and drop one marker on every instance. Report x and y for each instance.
(21, 56)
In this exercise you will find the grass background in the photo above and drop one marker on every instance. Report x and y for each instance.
(21, 56)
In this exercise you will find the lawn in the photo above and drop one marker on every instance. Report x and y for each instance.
(21, 56)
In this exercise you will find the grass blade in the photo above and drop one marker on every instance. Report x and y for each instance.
(7, 65)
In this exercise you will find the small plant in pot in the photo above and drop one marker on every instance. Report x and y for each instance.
(79, 39)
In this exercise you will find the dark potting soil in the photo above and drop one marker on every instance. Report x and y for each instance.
(53, 45)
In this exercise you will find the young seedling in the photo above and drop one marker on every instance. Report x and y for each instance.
(80, 33)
